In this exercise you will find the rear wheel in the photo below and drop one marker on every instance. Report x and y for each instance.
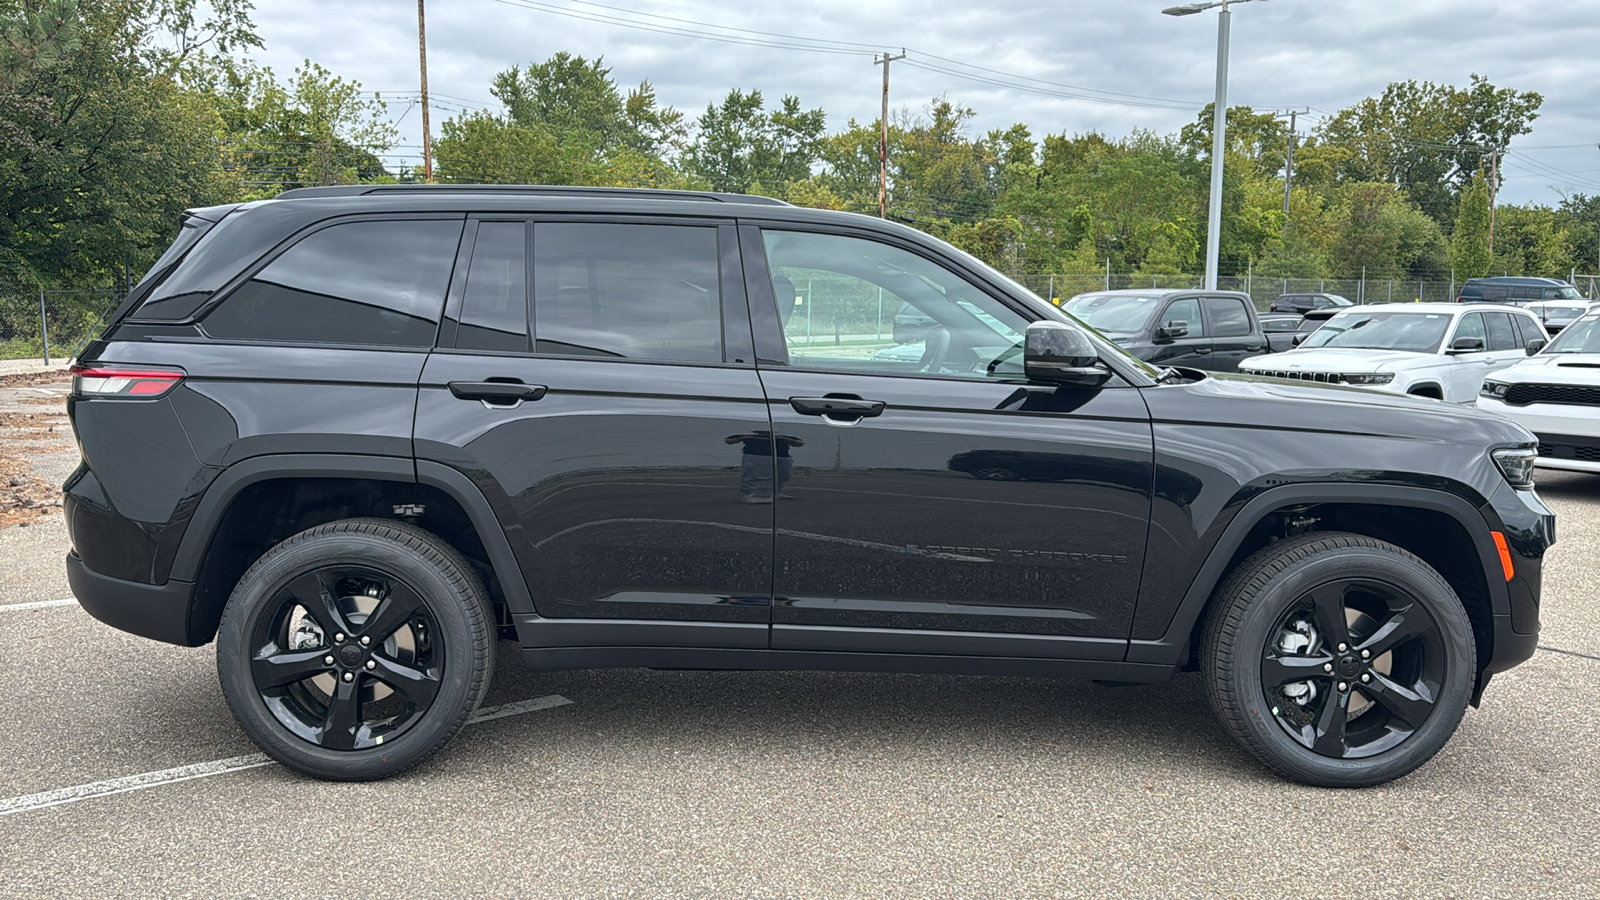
(1338, 660)
(355, 650)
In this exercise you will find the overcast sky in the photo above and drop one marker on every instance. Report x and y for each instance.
(1322, 54)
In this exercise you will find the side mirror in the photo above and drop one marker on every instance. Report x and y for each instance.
(1057, 353)
(1466, 345)
(1301, 338)
(1172, 330)
(1535, 345)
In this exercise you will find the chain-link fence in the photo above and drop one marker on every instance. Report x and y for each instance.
(1262, 289)
(52, 325)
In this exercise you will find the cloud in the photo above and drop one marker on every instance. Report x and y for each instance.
(1321, 54)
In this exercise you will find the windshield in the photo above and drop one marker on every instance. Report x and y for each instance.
(1582, 336)
(1412, 332)
(1568, 293)
(1112, 312)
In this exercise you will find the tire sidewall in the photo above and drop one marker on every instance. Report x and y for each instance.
(1416, 581)
(252, 600)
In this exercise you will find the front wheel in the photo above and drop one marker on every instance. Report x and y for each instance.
(1338, 660)
(355, 650)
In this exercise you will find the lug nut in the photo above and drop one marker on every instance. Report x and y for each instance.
(365, 640)
(1343, 647)
(1365, 678)
(338, 638)
(327, 660)
(373, 665)
(350, 676)
(1342, 685)
(1326, 667)
(1366, 654)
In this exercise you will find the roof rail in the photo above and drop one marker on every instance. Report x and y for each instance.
(539, 190)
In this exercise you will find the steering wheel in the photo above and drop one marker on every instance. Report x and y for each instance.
(934, 349)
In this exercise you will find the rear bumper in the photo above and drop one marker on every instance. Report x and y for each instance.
(156, 611)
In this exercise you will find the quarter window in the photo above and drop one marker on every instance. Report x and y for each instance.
(630, 291)
(494, 310)
(1228, 316)
(855, 304)
(379, 283)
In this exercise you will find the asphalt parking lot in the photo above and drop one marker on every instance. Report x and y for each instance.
(645, 783)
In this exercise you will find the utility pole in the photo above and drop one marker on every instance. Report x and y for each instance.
(422, 57)
(1494, 188)
(883, 133)
(1288, 170)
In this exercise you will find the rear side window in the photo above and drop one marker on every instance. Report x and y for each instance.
(1228, 316)
(1499, 327)
(1494, 293)
(494, 310)
(629, 291)
(378, 283)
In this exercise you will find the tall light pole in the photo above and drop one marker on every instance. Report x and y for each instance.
(1219, 128)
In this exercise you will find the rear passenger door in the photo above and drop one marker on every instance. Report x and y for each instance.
(1232, 338)
(595, 379)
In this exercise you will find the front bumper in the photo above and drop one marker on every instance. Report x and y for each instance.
(1529, 527)
(1569, 435)
(156, 611)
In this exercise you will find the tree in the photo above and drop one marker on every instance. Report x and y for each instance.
(740, 147)
(1469, 245)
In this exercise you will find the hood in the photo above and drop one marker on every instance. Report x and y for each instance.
(1254, 402)
(1337, 359)
(1581, 369)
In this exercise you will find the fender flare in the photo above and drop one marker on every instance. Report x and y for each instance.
(226, 486)
(1170, 648)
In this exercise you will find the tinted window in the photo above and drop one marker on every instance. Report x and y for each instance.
(633, 291)
(834, 293)
(357, 283)
(1499, 327)
(1494, 293)
(494, 309)
(1185, 311)
(1471, 325)
(1228, 316)
(1276, 325)
(1525, 293)
(1527, 330)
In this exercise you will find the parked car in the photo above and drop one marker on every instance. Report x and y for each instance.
(1304, 303)
(1286, 330)
(1210, 330)
(1516, 289)
(1555, 315)
(1437, 350)
(353, 434)
(1556, 394)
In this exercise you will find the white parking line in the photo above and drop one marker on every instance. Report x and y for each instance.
(60, 796)
(37, 604)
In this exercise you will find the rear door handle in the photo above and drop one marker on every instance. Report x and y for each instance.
(850, 408)
(497, 394)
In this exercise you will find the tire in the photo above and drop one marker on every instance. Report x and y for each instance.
(1273, 668)
(301, 676)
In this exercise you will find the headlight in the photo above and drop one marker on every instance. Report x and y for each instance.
(1374, 378)
(1516, 464)
(1494, 389)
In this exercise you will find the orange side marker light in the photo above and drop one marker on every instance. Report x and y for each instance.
(1505, 554)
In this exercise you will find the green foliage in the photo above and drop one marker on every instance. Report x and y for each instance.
(1469, 245)
(739, 145)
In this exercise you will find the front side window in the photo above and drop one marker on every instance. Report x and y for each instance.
(856, 304)
(1471, 326)
(1228, 316)
(1185, 313)
(1413, 332)
(631, 291)
(377, 283)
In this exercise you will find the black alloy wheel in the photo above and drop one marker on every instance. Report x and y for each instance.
(1337, 659)
(357, 649)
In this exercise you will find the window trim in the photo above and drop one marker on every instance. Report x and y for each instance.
(248, 272)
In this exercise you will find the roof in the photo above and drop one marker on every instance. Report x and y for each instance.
(1525, 280)
(524, 190)
(1430, 307)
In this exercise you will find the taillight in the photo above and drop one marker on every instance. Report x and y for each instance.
(118, 381)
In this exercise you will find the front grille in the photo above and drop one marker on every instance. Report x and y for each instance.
(1319, 377)
(1563, 447)
(1565, 394)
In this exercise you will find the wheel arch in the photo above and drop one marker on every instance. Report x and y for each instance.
(1431, 389)
(1456, 525)
(259, 501)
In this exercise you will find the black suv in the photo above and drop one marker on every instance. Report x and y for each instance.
(1516, 289)
(1304, 303)
(352, 434)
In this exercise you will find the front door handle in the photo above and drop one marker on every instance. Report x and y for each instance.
(497, 394)
(850, 408)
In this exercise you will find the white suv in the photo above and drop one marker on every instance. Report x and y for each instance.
(1556, 395)
(1438, 350)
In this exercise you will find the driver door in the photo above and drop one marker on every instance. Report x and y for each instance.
(922, 488)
